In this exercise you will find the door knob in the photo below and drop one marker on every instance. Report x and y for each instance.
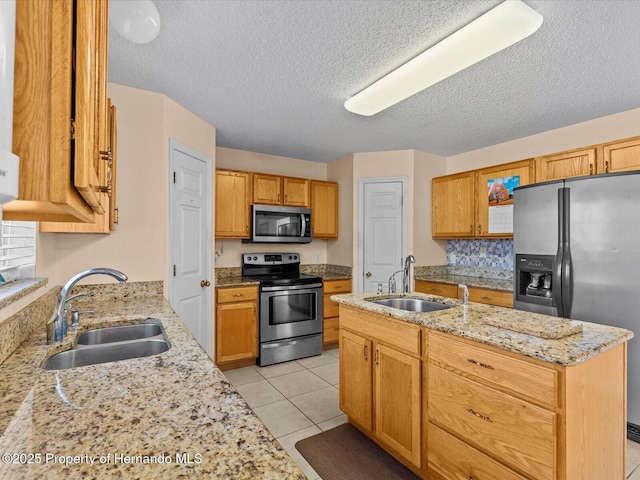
(368, 274)
(204, 283)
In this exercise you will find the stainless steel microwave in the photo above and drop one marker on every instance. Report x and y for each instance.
(274, 224)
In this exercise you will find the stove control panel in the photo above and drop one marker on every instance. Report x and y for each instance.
(270, 258)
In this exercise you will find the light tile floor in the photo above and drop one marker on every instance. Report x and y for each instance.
(295, 400)
(299, 399)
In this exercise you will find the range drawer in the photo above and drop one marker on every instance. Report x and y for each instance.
(522, 378)
(518, 433)
(237, 294)
(450, 458)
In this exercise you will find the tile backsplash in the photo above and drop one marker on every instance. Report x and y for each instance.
(481, 253)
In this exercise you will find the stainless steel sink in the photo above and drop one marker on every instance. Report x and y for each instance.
(412, 304)
(112, 344)
(120, 334)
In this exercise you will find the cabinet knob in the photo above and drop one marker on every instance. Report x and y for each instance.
(204, 283)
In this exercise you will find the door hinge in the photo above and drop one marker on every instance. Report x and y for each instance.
(174, 177)
(73, 129)
(174, 270)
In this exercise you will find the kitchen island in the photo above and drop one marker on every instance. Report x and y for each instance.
(172, 415)
(480, 391)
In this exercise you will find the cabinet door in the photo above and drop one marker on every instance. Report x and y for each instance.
(620, 156)
(267, 189)
(523, 169)
(104, 223)
(398, 402)
(233, 204)
(324, 205)
(296, 191)
(453, 201)
(236, 331)
(356, 382)
(90, 99)
(565, 165)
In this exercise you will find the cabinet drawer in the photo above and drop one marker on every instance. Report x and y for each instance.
(337, 286)
(434, 288)
(491, 297)
(237, 294)
(331, 330)
(516, 432)
(500, 371)
(452, 458)
(396, 333)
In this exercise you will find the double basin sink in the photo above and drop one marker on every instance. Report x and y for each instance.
(111, 344)
(411, 304)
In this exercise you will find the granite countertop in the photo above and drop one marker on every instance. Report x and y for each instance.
(470, 322)
(161, 409)
(236, 281)
(478, 282)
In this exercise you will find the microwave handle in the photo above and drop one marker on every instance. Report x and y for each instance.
(304, 224)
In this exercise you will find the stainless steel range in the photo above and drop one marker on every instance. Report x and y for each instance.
(290, 307)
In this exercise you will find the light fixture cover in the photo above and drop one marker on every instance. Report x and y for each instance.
(506, 24)
(136, 20)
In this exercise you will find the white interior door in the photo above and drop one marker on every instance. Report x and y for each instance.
(382, 231)
(190, 233)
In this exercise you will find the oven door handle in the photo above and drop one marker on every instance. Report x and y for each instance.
(291, 287)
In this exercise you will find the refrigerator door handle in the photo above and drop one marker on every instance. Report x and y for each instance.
(567, 267)
(558, 260)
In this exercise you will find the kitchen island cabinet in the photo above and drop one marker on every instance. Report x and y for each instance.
(500, 402)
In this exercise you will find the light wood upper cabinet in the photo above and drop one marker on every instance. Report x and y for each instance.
(565, 165)
(524, 169)
(453, 200)
(296, 191)
(57, 110)
(233, 203)
(324, 206)
(267, 189)
(107, 222)
(620, 156)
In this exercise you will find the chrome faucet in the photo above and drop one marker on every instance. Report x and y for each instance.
(465, 293)
(57, 322)
(392, 282)
(406, 274)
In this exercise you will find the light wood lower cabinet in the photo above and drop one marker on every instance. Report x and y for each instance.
(236, 326)
(501, 298)
(331, 320)
(377, 374)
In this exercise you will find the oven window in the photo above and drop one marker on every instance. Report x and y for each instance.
(272, 224)
(296, 307)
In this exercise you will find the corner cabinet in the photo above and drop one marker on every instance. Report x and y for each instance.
(233, 204)
(60, 113)
(105, 223)
(380, 381)
(324, 206)
(236, 326)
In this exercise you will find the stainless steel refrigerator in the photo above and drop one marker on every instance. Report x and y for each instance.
(577, 255)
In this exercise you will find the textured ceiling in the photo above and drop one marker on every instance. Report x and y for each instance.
(272, 76)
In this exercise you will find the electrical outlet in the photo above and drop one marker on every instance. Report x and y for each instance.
(216, 258)
(483, 251)
(317, 257)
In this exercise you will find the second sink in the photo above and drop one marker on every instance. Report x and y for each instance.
(120, 334)
(412, 304)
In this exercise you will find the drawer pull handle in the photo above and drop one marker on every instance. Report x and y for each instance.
(237, 294)
(366, 353)
(485, 297)
(483, 417)
(480, 364)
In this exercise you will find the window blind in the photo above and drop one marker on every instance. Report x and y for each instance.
(17, 250)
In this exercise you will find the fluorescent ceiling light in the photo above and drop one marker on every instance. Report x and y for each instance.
(506, 24)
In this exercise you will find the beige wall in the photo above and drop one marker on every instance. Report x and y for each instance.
(139, 245)
(230, 250)
(600, 130)
(340, 251)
